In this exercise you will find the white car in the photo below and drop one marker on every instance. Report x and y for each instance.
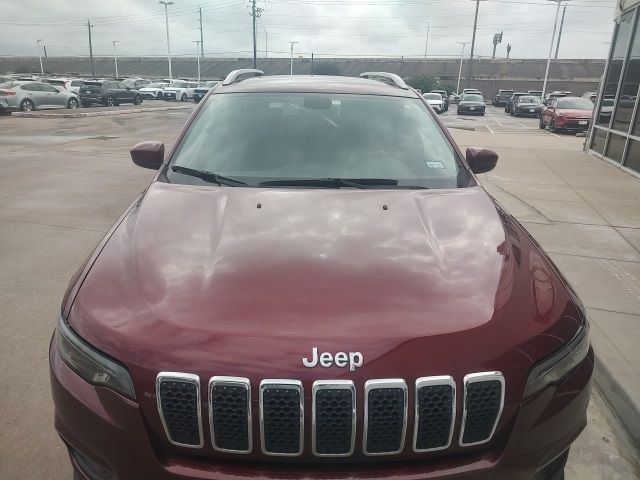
(435, 101)
(153, 90)
(177, 90)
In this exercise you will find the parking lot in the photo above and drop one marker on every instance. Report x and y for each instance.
(65, 180)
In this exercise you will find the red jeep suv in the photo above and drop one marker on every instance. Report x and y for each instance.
(315, 286)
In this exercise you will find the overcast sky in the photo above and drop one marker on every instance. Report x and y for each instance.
(326, 27)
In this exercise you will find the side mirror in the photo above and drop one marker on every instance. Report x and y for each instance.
(481, 160)
(148, 155)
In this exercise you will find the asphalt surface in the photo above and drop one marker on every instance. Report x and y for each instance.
(63, 181)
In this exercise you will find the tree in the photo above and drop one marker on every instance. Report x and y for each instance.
(424, 83)
(326, 69)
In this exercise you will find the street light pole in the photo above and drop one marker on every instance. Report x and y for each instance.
(426, 44)
(115, 56)
(292, 44)
(555, 27)
(266, 43)
(464, 44)
(166, 19)
(40, 56)
(197, 42)
(473, 43)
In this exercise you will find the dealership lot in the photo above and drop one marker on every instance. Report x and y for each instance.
(65, 180)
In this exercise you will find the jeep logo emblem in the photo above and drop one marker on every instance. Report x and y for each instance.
(340, 359)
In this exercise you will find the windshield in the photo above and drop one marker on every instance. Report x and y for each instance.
(433, 96)
(179, 85)
(529, 99)
(506, 92)
(607, 102)
(318, 136)
(472, 98)
(575, 103)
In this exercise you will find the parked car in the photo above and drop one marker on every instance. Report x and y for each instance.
(552, 95)
(57, 82)
(28, 96)
(435, 100)
(136, 83)
(502, 97)
(509, 104)
(567, 114)
(108, 93)
(535, 93)
(410, 314)
(471, 90)
(176, 90)
(454, 98)
(526, 106)
(593, 96)
(606, 110)
(445, 98)
(74, 85)
(471, 104)
(201, 90)
(153, 90)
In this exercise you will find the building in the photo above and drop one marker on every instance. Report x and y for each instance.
(616, 137)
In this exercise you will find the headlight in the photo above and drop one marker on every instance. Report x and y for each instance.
(90, 364)
(556, 367)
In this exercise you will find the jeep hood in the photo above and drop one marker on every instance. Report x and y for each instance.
(246, 281)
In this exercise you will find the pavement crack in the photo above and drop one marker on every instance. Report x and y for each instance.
(82, 229)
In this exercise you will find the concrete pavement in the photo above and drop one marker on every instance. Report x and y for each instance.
(586, 214)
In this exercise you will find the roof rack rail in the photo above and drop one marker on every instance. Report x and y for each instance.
(242, 74)
(388, 78)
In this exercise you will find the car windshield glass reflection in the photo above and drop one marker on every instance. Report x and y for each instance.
(575, 103)
(319, 136)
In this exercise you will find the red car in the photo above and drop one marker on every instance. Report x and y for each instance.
(567, 114)
(316, 286)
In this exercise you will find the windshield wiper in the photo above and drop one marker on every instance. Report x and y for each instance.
(331, 182)
(210, 177)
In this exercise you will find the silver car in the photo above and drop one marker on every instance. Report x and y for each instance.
(27, 96)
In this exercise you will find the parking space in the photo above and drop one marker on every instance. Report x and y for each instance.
(495, 121)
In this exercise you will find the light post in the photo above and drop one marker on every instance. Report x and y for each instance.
(115, 56)
(464, 44)
(40, 56)
(197, 42)
(555, 27)
(166, 19)
(292, 44)
(426, 44)
(266, 43)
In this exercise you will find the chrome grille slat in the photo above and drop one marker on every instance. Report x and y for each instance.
(178, 400)
(334, 418)
(483, 404)
(281, 417)
(435, 413)
(385, 416)
(230, 414)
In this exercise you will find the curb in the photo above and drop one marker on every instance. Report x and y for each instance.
(624, 408)
(96, 114)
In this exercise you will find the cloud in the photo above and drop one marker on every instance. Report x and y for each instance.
(325, 27)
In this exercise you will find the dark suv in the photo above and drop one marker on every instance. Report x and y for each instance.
(108, 93)
(316, 286)
(501, 98)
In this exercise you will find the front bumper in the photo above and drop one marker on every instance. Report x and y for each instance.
(573, 125)
(526, 112)
(105, 428)
(4, 104)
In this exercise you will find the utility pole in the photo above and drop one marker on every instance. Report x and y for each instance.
(473, 43)
(564, 11)
(464, 44)
(93, 71)
(201, 34)
(426, 45)
(115, 56)
(166, 20)
(255, 51)
(292, 44)
(508, 50)
(40, 56)
(197, 42)
(555, 26)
